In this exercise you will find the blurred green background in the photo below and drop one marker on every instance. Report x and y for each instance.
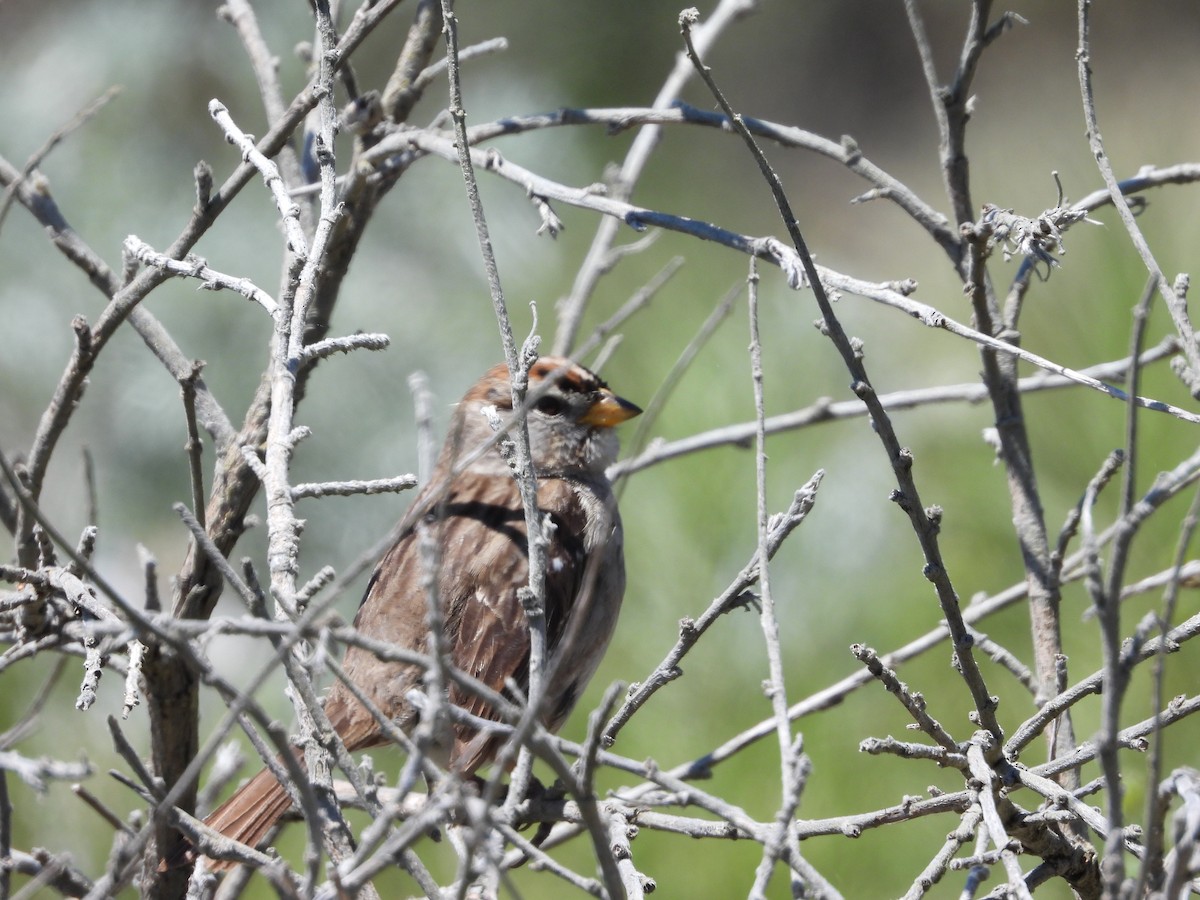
(852, 573)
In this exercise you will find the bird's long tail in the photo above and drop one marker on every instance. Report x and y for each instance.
(247, 816)
(250, 813)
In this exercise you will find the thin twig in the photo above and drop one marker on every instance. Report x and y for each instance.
(1083, 60)
(907, 497)
(600, 258)
(789, 748)
(769, 249)
(985, 796)
(691, 631)
(194, 267)
(77, 121)
(1155, 805)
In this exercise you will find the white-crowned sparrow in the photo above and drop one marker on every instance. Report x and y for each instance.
(477, 521)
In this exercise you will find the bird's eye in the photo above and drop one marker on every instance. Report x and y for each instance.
(549, 406)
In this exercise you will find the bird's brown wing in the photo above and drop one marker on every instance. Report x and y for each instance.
(481, 523)
(394, 610)
(486, 624)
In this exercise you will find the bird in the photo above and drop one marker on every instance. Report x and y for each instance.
(471, 508)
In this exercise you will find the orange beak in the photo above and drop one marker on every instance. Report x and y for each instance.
(608, 410)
